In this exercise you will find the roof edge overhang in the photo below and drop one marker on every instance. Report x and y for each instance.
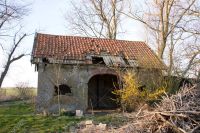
(34, 46)
(83, 62)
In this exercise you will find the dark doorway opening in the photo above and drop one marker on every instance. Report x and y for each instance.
(100, 88)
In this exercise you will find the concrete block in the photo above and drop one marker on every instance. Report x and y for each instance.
(101, 126)
(88, 122)
(79, 113)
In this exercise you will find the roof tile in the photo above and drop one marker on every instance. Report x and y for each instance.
(74, 47)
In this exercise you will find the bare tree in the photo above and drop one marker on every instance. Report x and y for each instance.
(96, 18)
(57, 81)
(11, 13)
(11, 56)
(193, 57)
(172, 24)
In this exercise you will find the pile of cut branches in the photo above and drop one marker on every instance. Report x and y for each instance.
(179, 113)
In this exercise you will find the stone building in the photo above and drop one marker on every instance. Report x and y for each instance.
(84, 70)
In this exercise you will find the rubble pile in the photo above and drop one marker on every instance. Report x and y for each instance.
(179, 113)
(89, 127)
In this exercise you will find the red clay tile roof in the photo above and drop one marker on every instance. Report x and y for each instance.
(76, 48)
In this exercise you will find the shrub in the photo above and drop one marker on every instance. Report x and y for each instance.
(23, 90)
(131, 96)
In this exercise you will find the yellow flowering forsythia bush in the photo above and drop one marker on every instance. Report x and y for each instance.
(130, 96)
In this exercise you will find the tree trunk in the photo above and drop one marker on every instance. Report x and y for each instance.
(3, 74)
(10, 58)
(7, 66)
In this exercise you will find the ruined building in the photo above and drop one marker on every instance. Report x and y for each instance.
(83, 70)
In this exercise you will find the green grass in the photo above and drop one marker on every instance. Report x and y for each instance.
(18, 116)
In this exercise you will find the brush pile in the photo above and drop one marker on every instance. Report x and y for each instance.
(179, 113)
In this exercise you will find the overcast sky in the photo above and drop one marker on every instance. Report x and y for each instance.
(47, 16)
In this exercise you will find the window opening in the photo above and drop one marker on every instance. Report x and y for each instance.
(63, 89)
(98, 60)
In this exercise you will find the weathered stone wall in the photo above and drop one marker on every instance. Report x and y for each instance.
(76, 77)
(149, 77)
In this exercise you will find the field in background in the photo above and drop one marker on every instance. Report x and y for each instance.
(14, 91)
(11, 94)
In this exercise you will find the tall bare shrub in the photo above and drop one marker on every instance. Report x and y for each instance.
(23, 90)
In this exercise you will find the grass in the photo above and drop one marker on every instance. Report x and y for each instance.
(18, 116)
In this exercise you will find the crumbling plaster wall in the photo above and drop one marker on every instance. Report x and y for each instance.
(76, 77)
(148, 77)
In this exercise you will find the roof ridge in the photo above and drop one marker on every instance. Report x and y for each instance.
(75, 36)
